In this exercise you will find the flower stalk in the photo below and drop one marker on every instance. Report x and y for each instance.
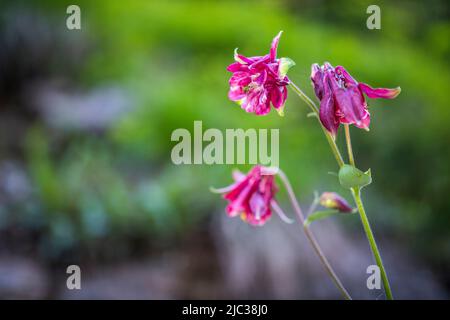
(355, 192)
(373, 245)
(313, 107)
(348, 139)
(311, 237)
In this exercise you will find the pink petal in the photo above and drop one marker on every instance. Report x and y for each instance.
(352, 106)
(236, 94)
(240, 79)
(281, 213)
(348, 78)
(236, 66)
(327, 111)
(259, 62)
(278, 96)
(259, 210)
(238, 176)
(317, 80)
(239, 198)
(374, 93)
(263, 104)
(241, 59)
(273, 48)
(327, 114)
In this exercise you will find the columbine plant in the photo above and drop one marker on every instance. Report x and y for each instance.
(260, 82)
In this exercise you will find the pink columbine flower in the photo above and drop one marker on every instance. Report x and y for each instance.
(252, 196)
(341, 97)
(332, 200)
(257, 82)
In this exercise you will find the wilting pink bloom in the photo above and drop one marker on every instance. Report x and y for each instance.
(332, 200)
(257, 82)
(252, 195)
(341, 97)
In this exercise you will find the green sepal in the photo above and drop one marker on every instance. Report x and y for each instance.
(351, 177)
(319, 215)
(285, 65)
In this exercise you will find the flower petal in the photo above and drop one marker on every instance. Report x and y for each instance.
(352, 107)
(317, 80)
(281, 213)
(383, 93)
(259, 209)
(340, 70)
(327, 113)
(236, 66)
(262, 102)
(278, 96)
(241, 59)
(273, 48)
(259, 63)
(238, 176)
(236, 94)
(239, 198)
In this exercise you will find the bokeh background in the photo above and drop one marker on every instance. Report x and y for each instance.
(86, 176)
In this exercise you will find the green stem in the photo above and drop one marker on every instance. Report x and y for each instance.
(373, 245)
(362, 213)
(326, 264)
(356, 193)
(304, 97)
(311, 237)
(313, 107)
(348, 139)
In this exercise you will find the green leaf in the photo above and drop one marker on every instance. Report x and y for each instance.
(351, 177)
(319, 215)
(285, 65)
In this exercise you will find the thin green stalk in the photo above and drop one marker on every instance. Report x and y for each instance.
(356, 192)
(373, 245)
(304, 97)
(314, 109)
(348, 139)
(311, 237)
(365, 221)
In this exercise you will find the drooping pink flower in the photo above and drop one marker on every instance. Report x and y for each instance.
(257, 82)
(332, 200)
(341, 97)
(252, 195)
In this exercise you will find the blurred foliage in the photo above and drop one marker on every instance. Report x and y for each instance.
(171, 59)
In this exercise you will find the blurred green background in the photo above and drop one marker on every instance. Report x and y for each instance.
(86, 118)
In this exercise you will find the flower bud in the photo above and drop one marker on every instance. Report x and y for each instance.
(332, 200)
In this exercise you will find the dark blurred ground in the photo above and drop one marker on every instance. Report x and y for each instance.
(229, 260)
(85, 170)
